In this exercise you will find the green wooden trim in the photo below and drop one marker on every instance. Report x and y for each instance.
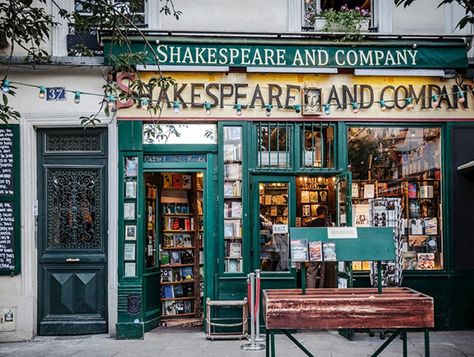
(130, 135)
(15, 199)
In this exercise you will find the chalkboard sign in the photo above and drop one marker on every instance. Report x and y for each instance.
(6, 161)
(9, 199)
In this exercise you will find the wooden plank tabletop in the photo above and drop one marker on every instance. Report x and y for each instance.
(347, 308)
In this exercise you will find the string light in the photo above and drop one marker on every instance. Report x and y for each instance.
(383, 107)
(297, 108)
(6, 86)
(144, 103)
(326, 109)
(176, 105)
(42, 92)
(409, 103)
(435, 101)
(238, 109)
(77, 97)
(111, 103)
(268, 110)
(461, 98)
(207, 107)
(355, 107)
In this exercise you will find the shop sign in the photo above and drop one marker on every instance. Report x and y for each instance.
(174, 159)
(384, 55)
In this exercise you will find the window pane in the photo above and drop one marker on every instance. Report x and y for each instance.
(318, 146)
(274, 141)
(179, 134)
(273, 198)
(400, 167)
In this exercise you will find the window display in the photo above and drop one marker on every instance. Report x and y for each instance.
(403, 163)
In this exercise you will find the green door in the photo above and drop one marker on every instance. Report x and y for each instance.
(72, 231)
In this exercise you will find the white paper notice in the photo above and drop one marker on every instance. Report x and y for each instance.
(342, 232)
(280, 228)
(369, 191)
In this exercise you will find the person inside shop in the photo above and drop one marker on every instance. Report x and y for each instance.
(321, 274)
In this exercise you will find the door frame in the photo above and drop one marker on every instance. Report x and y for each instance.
(208, 169)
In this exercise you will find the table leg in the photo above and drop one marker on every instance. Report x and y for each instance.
(272, 343)
(404, 341)
(267, 345)
(427, 342)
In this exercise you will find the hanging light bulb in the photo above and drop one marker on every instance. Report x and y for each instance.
(382, 105)
(297, 108)
(355, 108)
(435, 101)
(409, 103)
(42, 92)
(326, 109)
(6, 86)
(461, 98)
(77, 97)
(207, 107)
(144, 103)
(176, 105)
(238, 109)
(268, 110)
(111, 103)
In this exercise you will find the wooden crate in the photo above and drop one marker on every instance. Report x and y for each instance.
(347, 308)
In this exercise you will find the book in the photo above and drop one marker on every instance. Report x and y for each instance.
(228, 189)
(178, 240)
(426, 261)
(165, 258)
(168, 292)
(355, 190)
(187, 273)
(167, 180)
(168, 241)
(417, 240)
(228, 229)
(329, 252)
(361, 215)
(412, 190)
(179, 307)
(382, 188)
(178, 290)
(188, 307)
(323, 196)
(304, 196)
(315, 251)
(299, 250)
(187, 240)
(305, 210)
(175, 257)
(235, 250)
(188, 290)
(168, 308)
(166, 275)
(431, 225)
(233, 172)
(416, 226)
(177, 181)
(236, 209)
(177, 277)
(186, 181)
(426, 191)
(229, 153)
(187, 257)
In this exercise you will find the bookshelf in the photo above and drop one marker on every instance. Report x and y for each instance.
(232, 199)
(312, 193)
(180, 232)
(150, 212)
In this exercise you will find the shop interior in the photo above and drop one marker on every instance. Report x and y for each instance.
(174, 228)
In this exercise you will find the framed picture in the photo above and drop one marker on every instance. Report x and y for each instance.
(311, 100)
(129, 211)
(129, 251)
(131, 166)
(131, 189)
(131, 232)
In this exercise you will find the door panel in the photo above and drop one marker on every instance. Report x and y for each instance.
(72, 234)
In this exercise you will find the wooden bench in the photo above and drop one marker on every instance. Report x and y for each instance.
(359, 308)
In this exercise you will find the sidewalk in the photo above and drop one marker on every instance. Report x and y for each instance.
(179, 342)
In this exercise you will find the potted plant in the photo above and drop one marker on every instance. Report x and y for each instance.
(351, 22)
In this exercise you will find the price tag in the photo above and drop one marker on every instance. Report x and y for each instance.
(56, 93)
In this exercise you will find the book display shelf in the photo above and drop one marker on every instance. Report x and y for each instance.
(233, 199)
(178, 208)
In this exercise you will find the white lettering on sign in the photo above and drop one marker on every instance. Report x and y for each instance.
(342, 233)
(280, 228)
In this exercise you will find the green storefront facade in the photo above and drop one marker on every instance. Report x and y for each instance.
(361, 141)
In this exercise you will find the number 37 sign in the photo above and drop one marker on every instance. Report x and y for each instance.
(56, 93)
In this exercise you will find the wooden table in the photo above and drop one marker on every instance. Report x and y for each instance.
(362, 308)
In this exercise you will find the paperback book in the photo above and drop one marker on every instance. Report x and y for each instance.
(299, 251)
(315, 251)
(329, 252)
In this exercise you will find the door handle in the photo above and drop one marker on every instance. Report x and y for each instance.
(71, 260)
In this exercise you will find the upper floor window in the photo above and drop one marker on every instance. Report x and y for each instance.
(314, 10)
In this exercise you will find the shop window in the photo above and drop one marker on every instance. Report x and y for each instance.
(179, 134)
(318, 150)
(397, 182)
(273, 145)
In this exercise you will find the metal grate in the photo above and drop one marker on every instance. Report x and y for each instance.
(274, 143)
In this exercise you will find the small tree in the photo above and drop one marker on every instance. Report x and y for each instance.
(27, 26)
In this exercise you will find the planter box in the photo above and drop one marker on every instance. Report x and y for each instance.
(320, 22)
